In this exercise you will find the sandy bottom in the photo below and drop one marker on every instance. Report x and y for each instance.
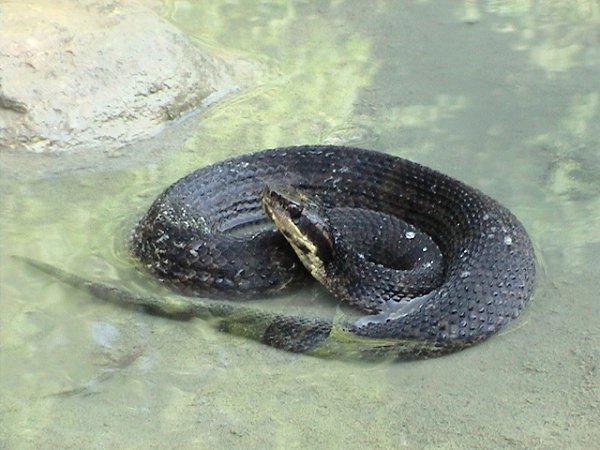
(500, 95)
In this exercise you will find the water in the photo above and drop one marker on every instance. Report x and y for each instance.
(504, 95)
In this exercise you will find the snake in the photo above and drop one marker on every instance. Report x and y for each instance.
(420, 263)
(256, 224)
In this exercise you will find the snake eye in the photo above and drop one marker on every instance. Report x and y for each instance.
(294, 210)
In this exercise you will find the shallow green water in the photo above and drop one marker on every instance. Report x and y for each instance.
(507, 100)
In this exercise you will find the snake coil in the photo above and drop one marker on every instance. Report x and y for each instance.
(208, 234)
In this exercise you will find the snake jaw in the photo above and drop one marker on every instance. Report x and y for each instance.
(296, 216)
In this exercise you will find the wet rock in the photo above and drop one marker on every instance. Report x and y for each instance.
(96, 74)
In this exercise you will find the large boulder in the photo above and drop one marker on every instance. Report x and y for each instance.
(96, 74)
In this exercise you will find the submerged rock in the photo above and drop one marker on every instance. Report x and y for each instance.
(96, 75)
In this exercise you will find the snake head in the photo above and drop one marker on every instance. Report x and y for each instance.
(301, 220)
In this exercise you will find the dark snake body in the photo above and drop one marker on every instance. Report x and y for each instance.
(208, 235)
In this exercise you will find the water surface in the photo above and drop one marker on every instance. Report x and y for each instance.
(504, 95)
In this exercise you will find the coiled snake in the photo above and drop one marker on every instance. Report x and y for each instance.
(433, 264)
(208, 233)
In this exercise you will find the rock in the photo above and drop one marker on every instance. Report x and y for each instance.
(96, 75)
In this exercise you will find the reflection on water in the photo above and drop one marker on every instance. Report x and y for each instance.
(502, 94)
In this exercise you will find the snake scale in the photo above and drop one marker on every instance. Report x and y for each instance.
(208, 234)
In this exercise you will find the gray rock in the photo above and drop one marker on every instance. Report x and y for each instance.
(96, 75)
